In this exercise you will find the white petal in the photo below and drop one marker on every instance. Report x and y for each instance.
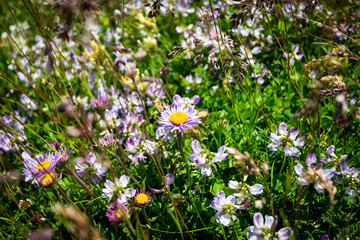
(256, 189)
(123, 181)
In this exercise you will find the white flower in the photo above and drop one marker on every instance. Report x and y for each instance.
(119, 189)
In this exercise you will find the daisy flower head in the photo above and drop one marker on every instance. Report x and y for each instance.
(36, 168)
(107, 141)
(286, 140)
(203, 114)
(100, 103)
(118, 189)
(142, 198)
(46, 178)
(117, 212)
(179, 117)
(64, 154)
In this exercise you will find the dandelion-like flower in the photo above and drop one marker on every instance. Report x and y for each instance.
(64, 154)
(46, 178)
(118, 189)
(107, 141)
(91, 169)
(142, 198)
(264, 231)
(41, 169)
(179, 117)
(225, 207)
(203, 114)
(285, 141)
(202, 160)
(101, 102)
(117, 212)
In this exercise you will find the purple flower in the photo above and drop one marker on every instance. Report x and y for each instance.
(225, 207)
(242, 189)
(179, 117)
(178, 100)
(264, 231)
(91, 169)
(118, 188)
(325, 237)
(168, 179)
(203, 160)
(117, 212)
(28, 103)
(140, 148)
(41, 169)
(107, 141)
(350, 173)
(285, 141)
(101, 102)
(64, 154)
(314, 171)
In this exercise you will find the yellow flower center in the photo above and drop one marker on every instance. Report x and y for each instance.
(117, 214)
(43, 165)
(203, 113)
(142, 198)
(47, 179)
(178, 118)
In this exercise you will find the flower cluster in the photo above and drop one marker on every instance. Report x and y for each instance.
(91, 169)
(285, 139)
(204, 160)
(265, 231)
(226, 206)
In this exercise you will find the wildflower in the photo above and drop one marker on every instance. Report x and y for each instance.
(285, 140)
(142, 198)
(163, 133)
(225, 207)
(117, 212)
(111, 118)
(140, 148)
(242, 189)
(107, 141)
(168, 179)
(64, 154)
(294, 55)
(351, 174)
(203, 113)
(101, 102)
(118, 189)
(353, 101)
(202, 160)
(46, 178)
(261, 231)
(28, 103)
(41, 169)
(314, 174)
(178, 118)
(348, 172)
(178, 100)
(91, 169)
